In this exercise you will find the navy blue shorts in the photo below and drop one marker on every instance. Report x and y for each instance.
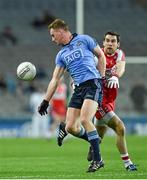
(91, 89)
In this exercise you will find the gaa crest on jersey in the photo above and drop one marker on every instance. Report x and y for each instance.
(115, 57)
(70, 47)
(79, 43)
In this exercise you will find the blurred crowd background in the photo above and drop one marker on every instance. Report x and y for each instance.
(24, 37)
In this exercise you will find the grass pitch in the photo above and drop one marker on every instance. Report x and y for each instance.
(41, 159)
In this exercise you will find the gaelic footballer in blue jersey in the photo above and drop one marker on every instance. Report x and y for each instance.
(77, 57)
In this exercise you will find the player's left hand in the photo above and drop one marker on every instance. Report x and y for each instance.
(42, 109)
(113, 82)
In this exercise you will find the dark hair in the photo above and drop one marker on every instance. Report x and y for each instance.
(113, 33)
(57, 24)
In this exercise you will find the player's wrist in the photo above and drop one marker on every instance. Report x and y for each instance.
(116, 75)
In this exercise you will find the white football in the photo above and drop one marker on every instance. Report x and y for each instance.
(26, 71)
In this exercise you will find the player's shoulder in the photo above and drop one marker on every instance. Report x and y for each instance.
(84, 36)
(120, 54)
(120, 51)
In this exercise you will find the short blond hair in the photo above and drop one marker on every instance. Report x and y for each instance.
(58, 24)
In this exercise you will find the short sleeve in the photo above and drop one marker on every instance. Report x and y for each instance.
(91, 42)
(59, 62)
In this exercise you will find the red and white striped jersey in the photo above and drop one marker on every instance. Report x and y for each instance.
(112, 60)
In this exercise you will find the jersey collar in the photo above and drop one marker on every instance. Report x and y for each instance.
(73, 36)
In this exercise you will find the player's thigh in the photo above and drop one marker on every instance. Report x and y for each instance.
(88, 109)
(72, 116)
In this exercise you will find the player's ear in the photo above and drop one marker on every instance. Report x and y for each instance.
(118, 44)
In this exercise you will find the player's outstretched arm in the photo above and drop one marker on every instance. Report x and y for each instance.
(58, 72)
(120, 68)
(113, 82)
(120, 63)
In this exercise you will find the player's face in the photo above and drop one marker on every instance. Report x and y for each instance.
(110, 44)
(56, 35)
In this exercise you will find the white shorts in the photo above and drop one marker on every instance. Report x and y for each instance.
(104, 121)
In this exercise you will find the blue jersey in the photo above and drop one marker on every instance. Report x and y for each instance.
(78, 59)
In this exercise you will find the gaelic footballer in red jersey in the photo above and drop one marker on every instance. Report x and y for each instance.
(111, 83)
(58, 103)
(106, 117)
(58, 106)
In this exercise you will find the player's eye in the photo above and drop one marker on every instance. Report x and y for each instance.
(113, 41)
(107, 40)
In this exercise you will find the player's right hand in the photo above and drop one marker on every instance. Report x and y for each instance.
(42, 109)
(113, 82)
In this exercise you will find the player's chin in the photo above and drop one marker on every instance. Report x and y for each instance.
(110, 51)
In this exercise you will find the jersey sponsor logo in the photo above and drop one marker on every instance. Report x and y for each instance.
(74, 55)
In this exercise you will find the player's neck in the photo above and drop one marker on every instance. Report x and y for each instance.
(109, 54)
(68, 38)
